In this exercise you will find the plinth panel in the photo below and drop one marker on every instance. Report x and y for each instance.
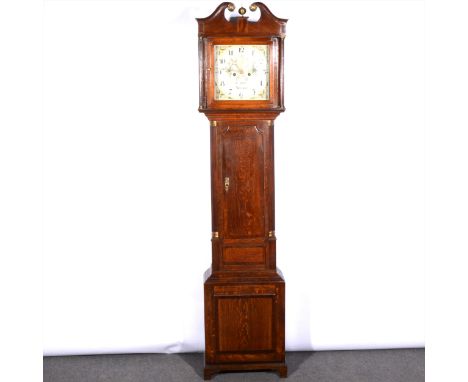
(245, 323)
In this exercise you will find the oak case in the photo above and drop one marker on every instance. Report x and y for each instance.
(244, 292)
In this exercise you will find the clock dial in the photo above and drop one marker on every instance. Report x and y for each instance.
(242, 72)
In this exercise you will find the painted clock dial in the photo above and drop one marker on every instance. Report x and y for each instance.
(242, 72)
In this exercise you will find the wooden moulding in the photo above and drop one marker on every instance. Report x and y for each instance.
(216, 24)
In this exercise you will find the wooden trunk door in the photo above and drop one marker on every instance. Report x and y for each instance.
(243, 182)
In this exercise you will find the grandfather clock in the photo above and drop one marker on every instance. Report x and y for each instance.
(241, 93)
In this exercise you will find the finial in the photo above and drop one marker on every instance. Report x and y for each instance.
(242, 11)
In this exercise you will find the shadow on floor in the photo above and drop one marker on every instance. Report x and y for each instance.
(293, 360)
(195, 360)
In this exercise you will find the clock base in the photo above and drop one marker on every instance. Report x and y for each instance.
(279, 367)
(244, 322)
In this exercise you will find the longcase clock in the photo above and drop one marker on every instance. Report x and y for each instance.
(241, 93)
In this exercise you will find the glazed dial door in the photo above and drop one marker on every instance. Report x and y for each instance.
(241, 72)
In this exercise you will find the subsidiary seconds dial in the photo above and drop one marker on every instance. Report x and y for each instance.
(241, 72)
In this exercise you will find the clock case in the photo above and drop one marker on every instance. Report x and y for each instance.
(244, 292)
